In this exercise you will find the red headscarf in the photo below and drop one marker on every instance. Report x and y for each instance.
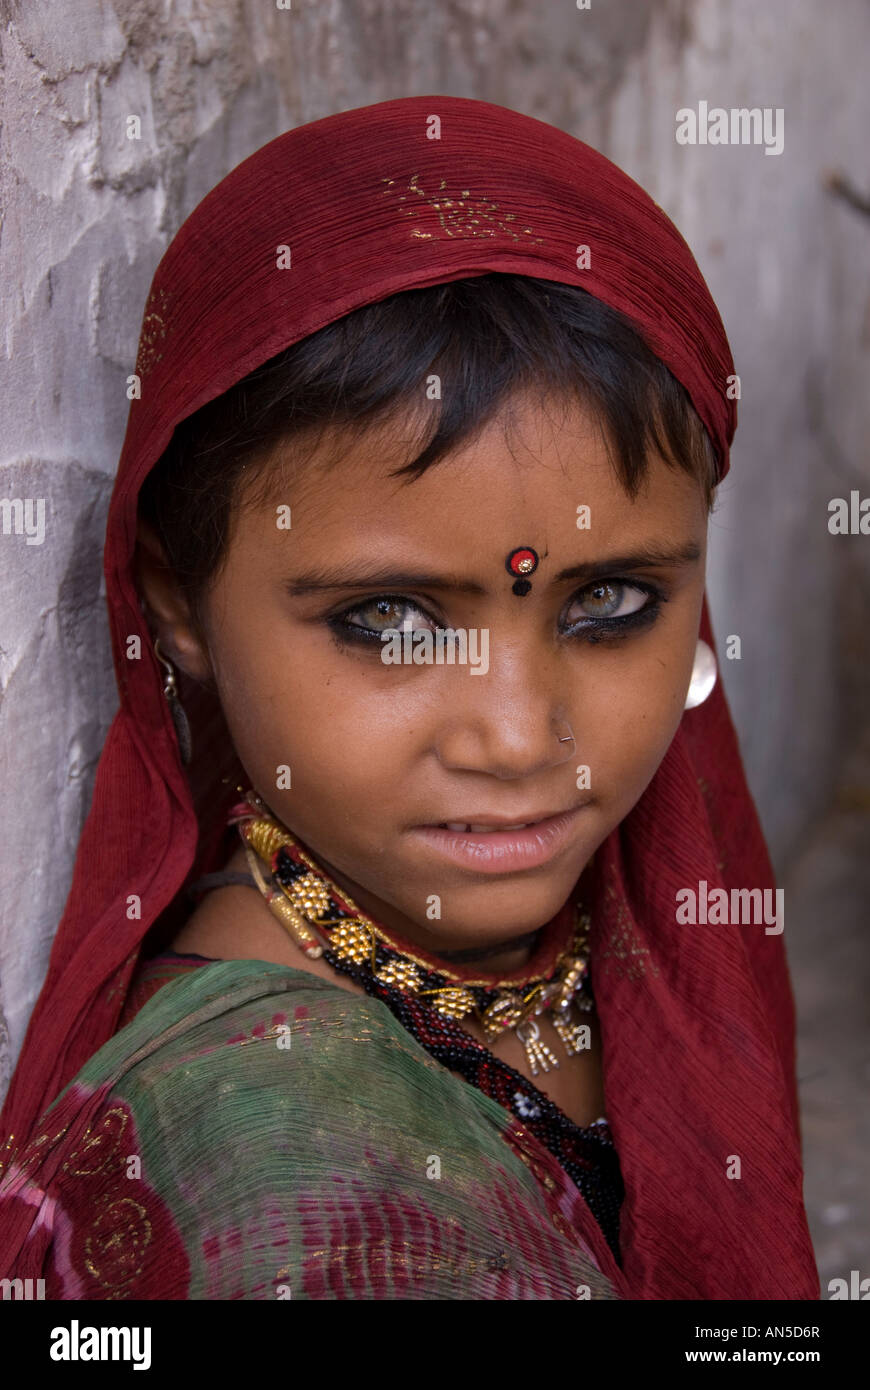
(697, 1022)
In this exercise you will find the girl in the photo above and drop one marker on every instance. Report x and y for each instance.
(373, 982)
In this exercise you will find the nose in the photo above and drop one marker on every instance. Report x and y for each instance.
(511, 723)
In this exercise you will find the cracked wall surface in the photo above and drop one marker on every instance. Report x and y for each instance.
(87, 214)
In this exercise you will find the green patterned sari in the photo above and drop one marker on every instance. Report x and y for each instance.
(257, 1133)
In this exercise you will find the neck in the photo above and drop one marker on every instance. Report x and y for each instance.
(502, 958)
(506, 956)
(506, 961)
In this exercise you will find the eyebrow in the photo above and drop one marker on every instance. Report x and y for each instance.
(351, 577)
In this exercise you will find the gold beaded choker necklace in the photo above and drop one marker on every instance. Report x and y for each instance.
(323, 920)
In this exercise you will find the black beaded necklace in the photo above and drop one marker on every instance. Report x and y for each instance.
(429, 1003)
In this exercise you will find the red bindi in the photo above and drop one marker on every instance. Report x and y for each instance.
(522, 562)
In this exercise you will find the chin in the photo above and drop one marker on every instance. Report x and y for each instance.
(495, 913)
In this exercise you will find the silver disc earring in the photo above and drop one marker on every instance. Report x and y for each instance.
(704, 674)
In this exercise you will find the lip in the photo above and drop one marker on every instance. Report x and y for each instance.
(501, 851)
(505, 822)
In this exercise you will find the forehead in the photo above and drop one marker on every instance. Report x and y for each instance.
(524, 475)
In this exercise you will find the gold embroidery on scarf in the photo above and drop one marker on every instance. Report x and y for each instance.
(278, 1030)
(30, 1154)
(9, 1151)
(564, 1227)
(460, 215)
(385, 1258)
(97, 1150)
(116, 1243)
(624, 947)
(153, 332)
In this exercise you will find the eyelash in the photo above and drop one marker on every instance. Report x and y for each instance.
(614, 629)
(593, 630)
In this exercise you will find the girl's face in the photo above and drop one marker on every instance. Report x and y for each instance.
(382, 754)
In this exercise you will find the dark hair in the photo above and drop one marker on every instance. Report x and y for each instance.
(484, 337)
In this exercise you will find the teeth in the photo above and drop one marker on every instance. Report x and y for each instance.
(499, 827)
(483, 829)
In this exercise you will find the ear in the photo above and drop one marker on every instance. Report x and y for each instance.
(167, 608)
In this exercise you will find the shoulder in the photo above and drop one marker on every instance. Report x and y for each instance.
(283, 1030)
(258, 1133)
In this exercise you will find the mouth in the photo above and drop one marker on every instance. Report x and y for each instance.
(479, 826)
(492, 846)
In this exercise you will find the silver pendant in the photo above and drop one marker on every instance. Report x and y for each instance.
(572, 1034)
(539, 1055)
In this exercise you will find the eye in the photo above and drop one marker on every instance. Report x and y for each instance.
(607, 599)
(380, 614)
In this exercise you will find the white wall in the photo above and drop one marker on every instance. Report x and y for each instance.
(87, 214)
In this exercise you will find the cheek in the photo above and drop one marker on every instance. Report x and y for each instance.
(341, 729)
(631, 710)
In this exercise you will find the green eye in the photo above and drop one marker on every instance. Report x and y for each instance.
(603, 600)
(381, 614)
(608, 599)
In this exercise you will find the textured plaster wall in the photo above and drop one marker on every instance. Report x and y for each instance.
(87, 214)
